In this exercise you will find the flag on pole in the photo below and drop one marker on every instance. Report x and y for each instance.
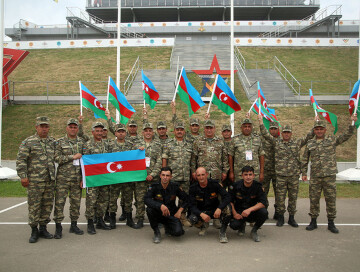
(119, 102)
(353, 102)
(261, 96)
(330, 117)
(151, 95)
(224, 98)
(267, 114)
(188, 94)
(112, 168)
(90, 102)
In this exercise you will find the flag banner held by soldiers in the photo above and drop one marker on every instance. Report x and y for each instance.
(268, 114)
(354, 101)
(113, 168)
(151, 95)
(119, 102)
(330, 117)
(90, 102)
(224, 98)
(188, 94)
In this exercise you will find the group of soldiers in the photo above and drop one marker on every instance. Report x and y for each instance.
(226, 178)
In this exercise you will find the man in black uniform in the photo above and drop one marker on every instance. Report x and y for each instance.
(205, 205)
(161, 207)
(248, 202)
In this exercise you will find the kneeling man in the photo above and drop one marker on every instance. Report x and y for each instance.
(248, 202)
(161, 207)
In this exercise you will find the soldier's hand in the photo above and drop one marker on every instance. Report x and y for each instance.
(80, 118)
(207, 115)
(245, 213)
(247, 115)
(173, 106)
(144, 111)
(317, 118)
(177, 214)
(141, 148)
(149, 178)
(77, 156)
(205, 217)
(165, 211)
(107, 113)
(304, 178)
(237, 216)
(217, 213)
(25, 182)
(260, 118)
(223, 176)
(354, 117)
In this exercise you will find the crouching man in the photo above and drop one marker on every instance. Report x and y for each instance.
(161, 207)
(248, 202)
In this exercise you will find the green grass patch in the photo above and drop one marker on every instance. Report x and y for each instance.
(12, 189)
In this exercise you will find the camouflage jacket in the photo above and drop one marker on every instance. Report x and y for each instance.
(238, 148)
(92, 147)
(210, 154)
(323, 154)
(178, 155)
(35, 159)
(81, 134)
(115, 146)
(287, 154)
(153, 152)
(133, 139)
(65, 149)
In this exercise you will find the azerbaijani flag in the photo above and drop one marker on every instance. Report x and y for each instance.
(90, 102)
(151, 95)
(268, 114)
(188, 94)
(330, 117)
(119, 102)
(223, 97)
(112, 168)
(353, 102)
(261, 96)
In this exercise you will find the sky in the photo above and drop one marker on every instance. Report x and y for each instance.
(48, 12)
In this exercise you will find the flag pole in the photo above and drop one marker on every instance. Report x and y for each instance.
(212, 95)
(80, 98)
(1, 63)
(177, 85)
(232, 73)
(107, 96)
(358, 132)
(357, 100)
(118, 55)
(316, 114)
(252, 106)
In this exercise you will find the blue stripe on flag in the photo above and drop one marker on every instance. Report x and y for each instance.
(112, 157)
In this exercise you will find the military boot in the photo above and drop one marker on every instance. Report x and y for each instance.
(222, 234)
(312, 225)
(217, 224)
(157, 236)
(123, 214)
(107, 217)
(58, 231)
(101, 224)
(44, 233)
(129, 220)
(184, 221)
(276, 216)
(113, 220)
(203, 228)
(34, 235)
(254, 235)
(241, 231)
(280, 221)
(331, 227)
(75, 229)
(90, 227)
(292, 221)
(139, 224)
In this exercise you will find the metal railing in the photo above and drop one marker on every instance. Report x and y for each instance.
(293, 83)
(132, 75)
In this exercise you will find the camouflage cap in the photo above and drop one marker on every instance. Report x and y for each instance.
(194, 121)
(97, 124)
(120, 127)
(226, 127)
(132, 122)
(274, 125)
(42, 120)
(179, 124)
(246, 121)
(72, 121)
(209, 123)
(105, 127)
(319, 123)
(161, 124)
(287, 128)
(147, 125)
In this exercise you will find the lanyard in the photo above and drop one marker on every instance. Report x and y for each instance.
(72, 147)
(250, 143)
(43, 146)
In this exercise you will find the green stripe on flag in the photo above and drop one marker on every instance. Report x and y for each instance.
(90, 106)
(149, 101)
(186, 99)
(115, 178)
(222, 106)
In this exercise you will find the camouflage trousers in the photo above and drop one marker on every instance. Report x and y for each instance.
(97, 201)
(185, 186)
(40, 201)
(289, 185)
(269, 176)
(326, 184)
(126, 190)
(63, 188)
(140, 188)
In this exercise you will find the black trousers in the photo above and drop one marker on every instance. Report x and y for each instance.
(224, 218)
(171, 224)
(259, 217)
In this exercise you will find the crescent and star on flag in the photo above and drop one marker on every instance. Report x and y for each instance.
(118, 167)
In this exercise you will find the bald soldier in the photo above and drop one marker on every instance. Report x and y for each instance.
(36, 168)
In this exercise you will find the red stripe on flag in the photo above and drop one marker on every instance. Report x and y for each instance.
(92, 100)
(194, 105)
(123, 110)
(227, 99)
(152, 94)
(112, 167)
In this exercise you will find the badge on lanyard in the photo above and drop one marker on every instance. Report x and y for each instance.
(147, 160)
(76, 162)
(248, 155)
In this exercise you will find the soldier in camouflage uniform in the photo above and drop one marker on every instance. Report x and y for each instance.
(226, 133)
(269, 164)
(287, 167)
(153, 166)
(97, 198)
(36, 168)
(322, 152)
(68, 151)
(177, 155)
(246, 149)
(126, 189)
